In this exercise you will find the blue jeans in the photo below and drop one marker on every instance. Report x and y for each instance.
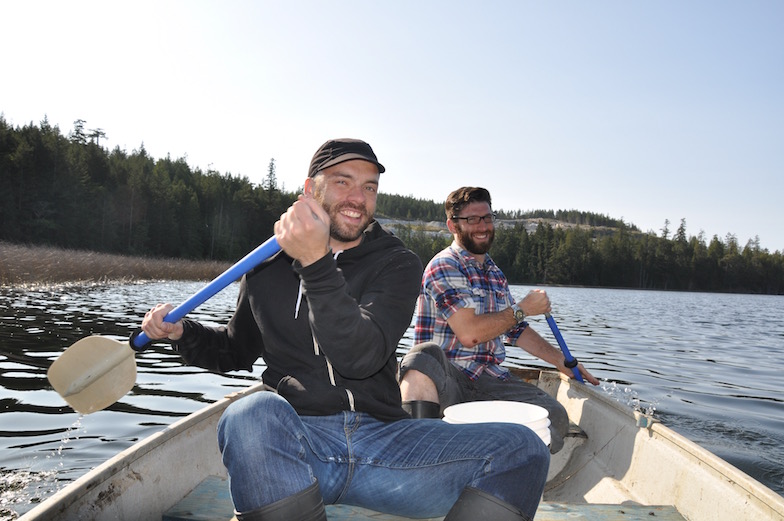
(414, 468)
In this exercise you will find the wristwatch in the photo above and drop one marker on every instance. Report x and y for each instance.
(518, 312)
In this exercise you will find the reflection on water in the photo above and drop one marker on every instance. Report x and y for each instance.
(705, 363)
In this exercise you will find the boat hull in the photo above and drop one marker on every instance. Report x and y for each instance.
(629, 458)
(625, 459)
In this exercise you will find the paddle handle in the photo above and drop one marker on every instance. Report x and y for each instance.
(266, 250)
(568, 358)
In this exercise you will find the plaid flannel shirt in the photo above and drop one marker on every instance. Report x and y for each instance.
(453, 280)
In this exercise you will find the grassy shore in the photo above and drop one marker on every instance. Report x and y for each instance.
(22, 265)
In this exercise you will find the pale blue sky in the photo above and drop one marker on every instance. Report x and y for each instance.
(644, 111)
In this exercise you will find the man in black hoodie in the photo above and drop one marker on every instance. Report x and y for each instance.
(326, 315)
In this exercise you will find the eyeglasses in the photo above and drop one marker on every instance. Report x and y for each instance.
(475, 219)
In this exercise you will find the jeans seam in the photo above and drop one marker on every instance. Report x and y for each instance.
(351, 422)
(304, 446)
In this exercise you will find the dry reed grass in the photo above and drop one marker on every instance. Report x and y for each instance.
(22, 265)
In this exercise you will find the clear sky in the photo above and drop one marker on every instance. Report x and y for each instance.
(644, 111)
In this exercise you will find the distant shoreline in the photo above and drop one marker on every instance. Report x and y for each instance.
(28, 265)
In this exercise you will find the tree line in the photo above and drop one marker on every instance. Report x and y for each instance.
(624, 258)
(69, 191)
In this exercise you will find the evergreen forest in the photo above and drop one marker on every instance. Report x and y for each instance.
(69, 191)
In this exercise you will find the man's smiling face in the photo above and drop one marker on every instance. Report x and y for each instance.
(347, 192)
(476, 238)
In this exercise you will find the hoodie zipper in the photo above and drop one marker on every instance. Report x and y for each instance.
(317, 350)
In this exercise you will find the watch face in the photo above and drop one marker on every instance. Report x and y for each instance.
(519, 315)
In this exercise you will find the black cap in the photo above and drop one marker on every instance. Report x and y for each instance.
(336, 151)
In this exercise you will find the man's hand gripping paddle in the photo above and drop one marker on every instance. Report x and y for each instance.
(97, 371)
(569, 360)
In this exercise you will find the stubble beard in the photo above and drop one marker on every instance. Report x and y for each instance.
(340, 231)
(344, 232)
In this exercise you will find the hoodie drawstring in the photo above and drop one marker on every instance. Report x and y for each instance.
(300, 292)
(316, 348)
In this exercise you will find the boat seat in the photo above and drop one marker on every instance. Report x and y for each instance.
(210, 501)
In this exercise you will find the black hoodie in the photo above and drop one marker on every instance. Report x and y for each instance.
(327, 332)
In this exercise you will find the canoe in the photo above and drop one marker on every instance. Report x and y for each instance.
(617, 464)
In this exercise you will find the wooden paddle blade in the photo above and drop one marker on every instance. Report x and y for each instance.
(93, 373)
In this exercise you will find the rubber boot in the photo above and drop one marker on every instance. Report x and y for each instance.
(422, 409)
(473, 505)
(307, 505)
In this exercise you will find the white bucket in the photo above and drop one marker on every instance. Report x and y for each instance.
(532, 416)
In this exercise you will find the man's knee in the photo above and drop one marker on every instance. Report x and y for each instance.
(253, 417)
(425, 348)
(427, 358)
(421, 374)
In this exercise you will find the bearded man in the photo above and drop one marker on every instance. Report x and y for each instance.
(465, 312)
(326, 315)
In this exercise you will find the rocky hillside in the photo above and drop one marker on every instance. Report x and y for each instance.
(439, 227)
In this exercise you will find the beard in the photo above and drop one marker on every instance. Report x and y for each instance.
(473, 246)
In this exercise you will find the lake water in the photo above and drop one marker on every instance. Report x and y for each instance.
(707, 364)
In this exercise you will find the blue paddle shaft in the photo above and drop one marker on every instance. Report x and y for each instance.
(266, 250)
(567, 355)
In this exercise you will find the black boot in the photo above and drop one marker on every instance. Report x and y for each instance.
(307, 505)
(422, 409)
(473, 505)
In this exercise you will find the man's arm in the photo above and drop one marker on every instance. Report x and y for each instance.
(212, 348)
(471, 328)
